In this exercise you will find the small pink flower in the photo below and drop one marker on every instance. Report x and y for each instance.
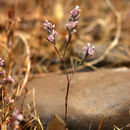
(91, 51)
(20, 117)
(54, 32)
(86, 47)
(8, 100)
(11, 101)
(17, 116)
(10, 79)
(10, 44)
(71, 25)
(15, 113)
(2, 81)
(66, 37)
(88, 51)
(16, 124)
(48, 25)
(1, 62)
(75, 11)
(51, 38)
(2, 72)
(74, 31)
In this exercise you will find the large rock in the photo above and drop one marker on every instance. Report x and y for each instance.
(102, 95)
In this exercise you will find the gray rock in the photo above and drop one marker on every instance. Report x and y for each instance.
(94, 96)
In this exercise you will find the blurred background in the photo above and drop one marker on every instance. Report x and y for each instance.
(104, 23)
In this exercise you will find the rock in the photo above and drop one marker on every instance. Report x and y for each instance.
(97, 96)
(56, 124)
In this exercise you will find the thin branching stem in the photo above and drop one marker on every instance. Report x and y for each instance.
(68, 84)
(67, 43)
(66, 104)
(13, 33)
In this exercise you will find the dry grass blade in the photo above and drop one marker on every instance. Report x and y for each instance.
(3, 126)
(28, 123)
(35, 115)
(28, 62)
(5, 47)
(115, 127)
(91, 124)
(34, 103)
(117, 36)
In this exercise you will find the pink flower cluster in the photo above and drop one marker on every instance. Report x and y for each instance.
(49, 27)
(88, 51)
(16, 118)
(73, 20)
(8, 80)
(1, 64)
(4, 80)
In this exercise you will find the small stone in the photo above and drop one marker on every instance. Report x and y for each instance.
(56, 123)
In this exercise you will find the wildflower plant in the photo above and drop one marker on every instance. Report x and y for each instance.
(7, 106)
(8, 99)
(11, 112)
(87, 49)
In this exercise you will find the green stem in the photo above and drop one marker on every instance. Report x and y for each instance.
(66, 104)
(75, 68)
(67, 43)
